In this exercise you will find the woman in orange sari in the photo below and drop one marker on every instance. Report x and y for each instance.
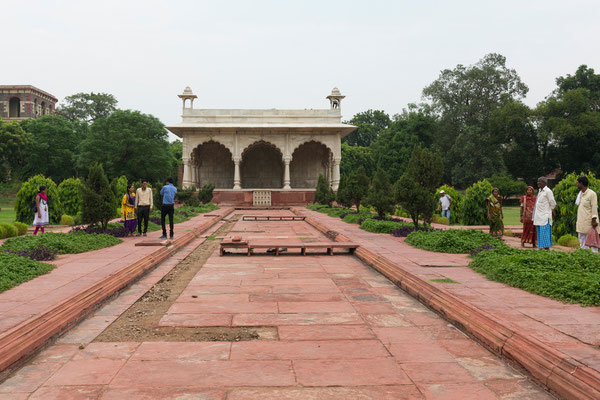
(527, 207)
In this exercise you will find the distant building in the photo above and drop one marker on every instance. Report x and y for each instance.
(19, 102)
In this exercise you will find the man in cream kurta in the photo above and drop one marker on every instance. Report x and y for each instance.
(542, 215)
(587, 212)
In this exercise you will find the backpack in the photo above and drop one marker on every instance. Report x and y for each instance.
(33, 205)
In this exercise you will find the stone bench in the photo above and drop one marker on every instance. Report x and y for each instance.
(277, 246)
(272, 218)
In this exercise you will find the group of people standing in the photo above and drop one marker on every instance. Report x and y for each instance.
(136, 208)
(536, 215)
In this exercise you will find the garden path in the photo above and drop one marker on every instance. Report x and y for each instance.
(569, 328)
(344, 332)
(75, 273)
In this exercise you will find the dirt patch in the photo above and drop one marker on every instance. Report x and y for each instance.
(140, 322)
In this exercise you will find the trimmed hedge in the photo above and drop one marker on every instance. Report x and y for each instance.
(64, 243)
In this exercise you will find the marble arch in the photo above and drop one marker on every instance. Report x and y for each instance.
(288, 131)
(211, 162)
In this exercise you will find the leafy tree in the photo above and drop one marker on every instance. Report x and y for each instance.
(584, 78)
(525, 149)
(467, 96)
(565, 193)
(357, 187)
(342, 196)
(128, 143)
(176, 151)
(415, 190)
(473, 209)
(88, 107)
(119, 188)
(381, 195)
(26, 196)
(507, 186)
(324, 194)
(473, 158)
(456, 201)
(357, 156)
(573, 128)
(370, 123)
(53, 148)
(97, 198)
(69, 191)
(14, 142)
(394, 147)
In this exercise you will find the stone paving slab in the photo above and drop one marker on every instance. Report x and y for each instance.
(352, 335)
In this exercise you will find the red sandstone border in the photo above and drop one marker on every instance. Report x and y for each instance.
(32, 334)
(557, 371)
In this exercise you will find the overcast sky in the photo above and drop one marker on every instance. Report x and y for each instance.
(285, 54)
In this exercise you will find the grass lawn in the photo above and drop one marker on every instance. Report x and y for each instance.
(7, 204)
(512, 215)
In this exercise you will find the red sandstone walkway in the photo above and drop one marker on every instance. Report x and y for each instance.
(569, 328)
(345, 332)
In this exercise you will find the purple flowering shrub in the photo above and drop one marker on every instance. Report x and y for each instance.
(39, 253)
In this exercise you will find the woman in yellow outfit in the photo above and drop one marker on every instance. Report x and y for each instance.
(128, 210)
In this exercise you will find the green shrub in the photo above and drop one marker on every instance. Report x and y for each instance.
(26, 196)
(77, 220)
(184, 195)
(64, 243)
(352, 218)
(15, 270)
(441, 220)
(568, 240)
(452, 240)
(456, 201)
(572, 276)
(323, 193)
(69, 191)
(205, 194)
(399, 212)
(508, 232)
(2, 232)
(565, 193)
(21, 228)
(119, 188)
(381, 194)
(473, 208)
(9, 230)
(156, 197)
(67, 220)
(376, 226)
(98, 201)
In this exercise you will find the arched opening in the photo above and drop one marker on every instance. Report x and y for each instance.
(308, 161)
(43, 104)
(262, 167)
(211, 162)
(14, 107)
(35, 108)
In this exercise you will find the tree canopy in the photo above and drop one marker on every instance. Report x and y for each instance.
(88, 106)
(128, 143)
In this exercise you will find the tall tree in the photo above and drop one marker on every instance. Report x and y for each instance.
(128, 143)
(370, 123)
(381, 195)
(584, 78)
(415, 190)
(14, 142)
(53, 148)
(357, 187)
(98, 203)
(357, 156)
(88, 106)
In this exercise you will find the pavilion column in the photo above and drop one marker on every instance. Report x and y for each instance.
(187, 173)
(336, 173)
(237, 183)
(286, 174)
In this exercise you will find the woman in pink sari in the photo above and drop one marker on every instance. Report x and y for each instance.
(527, 207)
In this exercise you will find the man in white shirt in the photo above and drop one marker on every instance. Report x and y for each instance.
(542, 215)
(445, 203)
(143, 205)
(587, 212)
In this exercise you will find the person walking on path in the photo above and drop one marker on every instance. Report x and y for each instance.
(494, 211)
(587, 216)
(128, 210)
(542, 215)
(168, 193)
(42, 217)
(445, 203)
(143, 205)
(527, 206)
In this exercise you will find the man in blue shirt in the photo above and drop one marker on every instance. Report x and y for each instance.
(168, 193)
